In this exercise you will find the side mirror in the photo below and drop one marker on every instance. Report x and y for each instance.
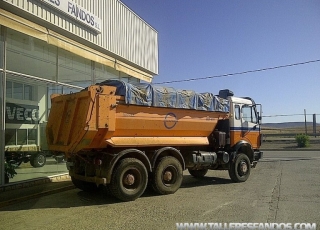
(259, 117)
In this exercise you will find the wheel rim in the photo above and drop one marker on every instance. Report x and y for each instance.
(41, 159)
(169, 175)
(131, 179)
(243, 168)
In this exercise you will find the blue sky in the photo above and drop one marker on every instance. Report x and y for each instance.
(203, 38)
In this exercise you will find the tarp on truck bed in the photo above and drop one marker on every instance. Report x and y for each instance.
(160, 96)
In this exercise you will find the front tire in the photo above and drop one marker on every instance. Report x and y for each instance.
(129, 179)
(168, 176)
(240, 169)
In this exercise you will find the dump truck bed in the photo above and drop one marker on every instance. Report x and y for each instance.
(96, 118)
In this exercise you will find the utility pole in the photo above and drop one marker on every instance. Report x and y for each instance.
(305, 121)
(314, 125)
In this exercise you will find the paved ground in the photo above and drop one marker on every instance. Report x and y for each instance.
(284, 188)
(25, 171)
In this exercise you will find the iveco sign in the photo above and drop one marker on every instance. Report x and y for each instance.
(22, 114)
(77, 12)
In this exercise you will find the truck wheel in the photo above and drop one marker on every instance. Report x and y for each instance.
(59, 159)
(84, 185)
(106, 190)
(18, 163)
(167, 177)
(198, 173)
(129, 179)
(239, 170)
(38, 160)
(15, 163)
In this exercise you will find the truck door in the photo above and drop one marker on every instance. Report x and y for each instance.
(244, 124)
(250, 128)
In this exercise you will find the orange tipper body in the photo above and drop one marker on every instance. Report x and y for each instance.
(125, 136)
(96, 118)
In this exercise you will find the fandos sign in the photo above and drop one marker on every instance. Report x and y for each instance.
(77, 12)
(22, 114)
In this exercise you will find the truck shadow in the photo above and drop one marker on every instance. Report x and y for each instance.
(74, 197)
(103, 197)
(189, 181)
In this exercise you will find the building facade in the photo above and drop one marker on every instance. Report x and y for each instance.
(62, 46)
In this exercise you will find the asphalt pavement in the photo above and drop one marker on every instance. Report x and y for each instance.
(283, 188)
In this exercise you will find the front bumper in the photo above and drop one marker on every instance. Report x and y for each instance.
(258, 156)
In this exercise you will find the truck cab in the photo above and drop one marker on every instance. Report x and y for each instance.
(244, 121)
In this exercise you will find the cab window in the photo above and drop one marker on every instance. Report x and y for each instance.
(248, 114)
(237, 112)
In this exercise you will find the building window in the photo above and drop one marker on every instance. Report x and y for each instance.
(1, 47)
(28, 92)
(21, 136)
(30, 56)
(73, 69)
(17, 91)
(9, 89)
(20, 91)
(10, 137)
(32, 136)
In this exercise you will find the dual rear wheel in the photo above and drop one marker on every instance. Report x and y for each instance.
(130, 178)
(167, 177)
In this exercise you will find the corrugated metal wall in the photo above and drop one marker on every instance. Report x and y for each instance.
(123, 33)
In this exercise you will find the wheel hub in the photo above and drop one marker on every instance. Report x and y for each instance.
(129, 179)
(243, 167)
(40, 159)
(167, 176)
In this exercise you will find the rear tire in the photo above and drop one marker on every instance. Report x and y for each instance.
(167, 177)
(240, 169)
(129, 179)
(84, 185)
(198, 173)
(38, 160)
(59, 159)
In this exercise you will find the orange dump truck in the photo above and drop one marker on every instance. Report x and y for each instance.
(124, 136)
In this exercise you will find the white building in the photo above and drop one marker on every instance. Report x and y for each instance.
(62, 46)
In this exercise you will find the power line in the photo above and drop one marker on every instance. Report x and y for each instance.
(241, 73)
(287, 115)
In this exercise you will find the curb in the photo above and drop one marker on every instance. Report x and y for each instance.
(31, 184)
(34, 182)
(36, 195)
